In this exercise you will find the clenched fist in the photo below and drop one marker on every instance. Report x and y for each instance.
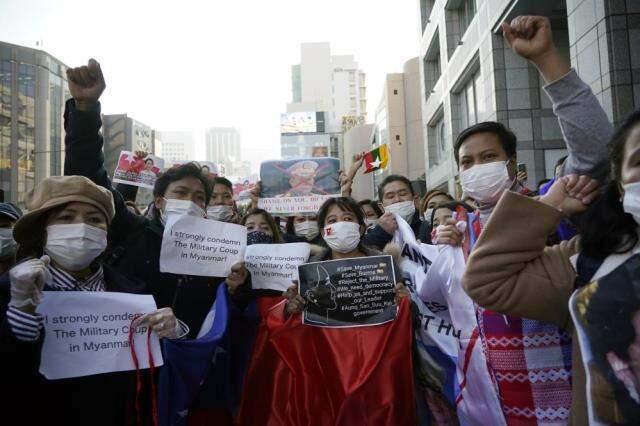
(86, 84)
(531, 38)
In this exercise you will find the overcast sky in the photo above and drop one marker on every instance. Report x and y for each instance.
(189, 65)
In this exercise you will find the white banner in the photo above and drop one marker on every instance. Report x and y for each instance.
(197, 246)
(275, 266)
(292, 206)
(87, 333)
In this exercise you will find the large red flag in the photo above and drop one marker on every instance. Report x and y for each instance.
(304, 375)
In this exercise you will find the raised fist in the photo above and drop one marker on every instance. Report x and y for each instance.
(529, 36)
(86, 83)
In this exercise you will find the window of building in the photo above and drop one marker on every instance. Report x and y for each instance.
(459, 14)
(467, 96)
(397, 137)
(395, 91)
(426, 6)
(432, 66)
(5, 128)
(437, 138)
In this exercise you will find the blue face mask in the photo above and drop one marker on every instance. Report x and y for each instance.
(259, 237)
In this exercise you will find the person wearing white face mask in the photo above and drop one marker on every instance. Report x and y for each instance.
(222, 206)
(64, 235)
(397, 196)
(9, 214)
(342, 222)
(303, 229)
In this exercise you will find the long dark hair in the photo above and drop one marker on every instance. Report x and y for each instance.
(605, 228)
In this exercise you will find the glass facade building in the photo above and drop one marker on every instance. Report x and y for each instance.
(33, 90)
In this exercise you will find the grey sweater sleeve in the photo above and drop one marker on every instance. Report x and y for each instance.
(585, 126)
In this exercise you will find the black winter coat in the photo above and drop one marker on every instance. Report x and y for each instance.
(30, 399)
(135, 240)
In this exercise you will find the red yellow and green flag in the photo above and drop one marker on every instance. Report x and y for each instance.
(376, 159)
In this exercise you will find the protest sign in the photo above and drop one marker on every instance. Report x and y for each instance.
(242, 189)
(197, 246)
(605, 316)
(275, 266)
(87, 333)
(298, 187)
(348, 293)
(137, 171)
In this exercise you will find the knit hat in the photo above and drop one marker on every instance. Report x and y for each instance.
(56, 191)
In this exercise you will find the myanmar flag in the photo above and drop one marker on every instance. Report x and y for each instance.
(376, 159)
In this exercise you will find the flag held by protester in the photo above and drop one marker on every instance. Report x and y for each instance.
(376, 159)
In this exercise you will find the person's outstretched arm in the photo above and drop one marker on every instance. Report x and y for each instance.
(585, 127)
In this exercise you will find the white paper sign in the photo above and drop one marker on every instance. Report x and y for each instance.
(204, 247)
(87, 333)
(275, 266)
(292, 206)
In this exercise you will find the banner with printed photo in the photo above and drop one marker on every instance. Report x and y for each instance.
(87, 333)
(605, 314)
(298, 187)
(242, 188)
(137, 171)
(348, 293)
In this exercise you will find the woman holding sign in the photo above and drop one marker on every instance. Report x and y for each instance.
(64, 233)
(362, 369)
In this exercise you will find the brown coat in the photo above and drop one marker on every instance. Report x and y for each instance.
(512, 271)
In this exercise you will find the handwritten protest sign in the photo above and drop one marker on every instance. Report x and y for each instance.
(275, 266)
(87, 333)
(197, 246)
(137, 171)
(296, 187)
(348, 293)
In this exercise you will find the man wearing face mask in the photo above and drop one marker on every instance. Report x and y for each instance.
(136, 240)
(9, 214)
(397, 197)
(486, 158)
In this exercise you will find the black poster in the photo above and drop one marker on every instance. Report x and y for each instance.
(348, 293)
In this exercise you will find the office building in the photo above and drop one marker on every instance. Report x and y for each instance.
(223, 147)
(33, 90)
(333, 85)
(175, 146)
(470, 75)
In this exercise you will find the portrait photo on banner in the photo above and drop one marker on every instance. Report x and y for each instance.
(136, 170)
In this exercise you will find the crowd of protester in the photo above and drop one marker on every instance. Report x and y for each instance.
(538, 262)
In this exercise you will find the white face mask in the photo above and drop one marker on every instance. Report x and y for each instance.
(342, 237)
(7, 243)
(180, 207)
(220, 213)
(75, 246)
(485, 183)
(631, 200)
(370, 222)
(427, 214)
(406, 209)
(307, 229)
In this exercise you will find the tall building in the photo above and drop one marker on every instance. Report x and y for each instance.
(123, 133)
(360, 138)
(175, 146)
(33, 89)
(333, 86)
(399, 125)
(223, 147)
(470, 75)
